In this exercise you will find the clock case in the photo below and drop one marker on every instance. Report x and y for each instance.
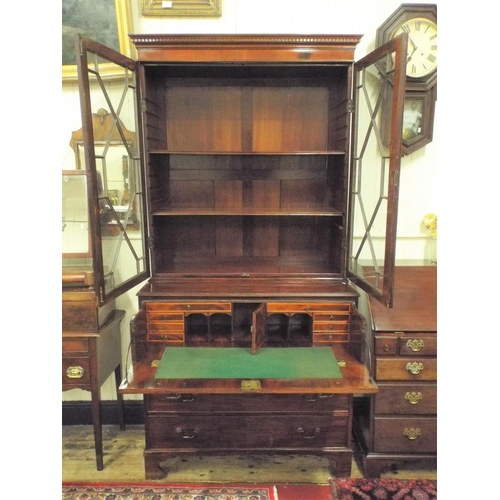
(307, 227)
(425, 88)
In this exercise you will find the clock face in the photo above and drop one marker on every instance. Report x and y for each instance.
(422, 46)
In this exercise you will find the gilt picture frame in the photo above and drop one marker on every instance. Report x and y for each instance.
(112, 28)
(189, 8)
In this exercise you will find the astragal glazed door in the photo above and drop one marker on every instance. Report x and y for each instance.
(111, 156)
(379, 86)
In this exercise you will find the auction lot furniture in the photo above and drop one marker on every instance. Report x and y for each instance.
(248, 177)
(91, 352)
(402, 425)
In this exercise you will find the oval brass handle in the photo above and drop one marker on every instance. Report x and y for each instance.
(187, 433)
(415, 345)
(415, 368)
(412, 433)
(75, 372)
(316, 431)
(413, 397)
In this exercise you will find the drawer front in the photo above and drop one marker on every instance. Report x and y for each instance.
(169, 338)
(163, 316)
(409, 399)
(335, 316)
(75, 345)
(386, 345)
(406, 345)
(166, 327)
(234, 403)
(319, 338)
(76, 370)
(79, 316)
(406, 368)
(246, 431)
(331, 326)
(188, 306)
(405, 435)
(283, 307)
(415, 345)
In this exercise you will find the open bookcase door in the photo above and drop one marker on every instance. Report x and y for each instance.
(379, 87)
(111, 156)
(258, 328)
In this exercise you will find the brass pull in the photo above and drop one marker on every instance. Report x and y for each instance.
(415, 345)
(386, 347)
(300, 430)
(308, 308)
(188, 433)
(310, 398)
(332, 316)
(172, 396)
(412, 433)
(188, 307)
(75, 372)
(413, 397)
(415, 368)
(330, 327)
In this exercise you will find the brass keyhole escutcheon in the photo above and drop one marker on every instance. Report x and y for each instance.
(413, 397)
(415, 368)
(412, 433)
(415, 345)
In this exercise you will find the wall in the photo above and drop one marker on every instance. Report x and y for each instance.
(418, 187)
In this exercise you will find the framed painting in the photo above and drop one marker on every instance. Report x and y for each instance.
(106, 21)
(190, 8)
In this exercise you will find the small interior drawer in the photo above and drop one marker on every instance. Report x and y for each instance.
(162, 316)
(332, 308)
(165, 327)
(188, 306)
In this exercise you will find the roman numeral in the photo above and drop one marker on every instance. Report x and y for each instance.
(431, 58)
(417, 25)
(406, 28)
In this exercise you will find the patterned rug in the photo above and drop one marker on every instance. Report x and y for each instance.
(383, 489)
(156, 491)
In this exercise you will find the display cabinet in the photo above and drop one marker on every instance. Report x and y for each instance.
(260, 154)
(402, 423)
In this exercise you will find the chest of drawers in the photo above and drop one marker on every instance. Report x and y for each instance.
(402, 423)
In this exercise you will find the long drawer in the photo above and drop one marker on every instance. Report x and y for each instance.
(188, 306)
(406, 398)
(405, 435)
(415, 344)
(180, 403)
(246, 431)
(406, 369)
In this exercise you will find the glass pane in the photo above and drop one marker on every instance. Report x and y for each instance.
(117, 164)
(372, 171)
(75, 240)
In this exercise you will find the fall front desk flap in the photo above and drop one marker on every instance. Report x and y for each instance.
(271, 362)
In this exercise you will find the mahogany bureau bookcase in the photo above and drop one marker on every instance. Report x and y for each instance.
(250, 169)
(402, 424)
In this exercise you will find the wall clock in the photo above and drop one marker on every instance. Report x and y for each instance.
(420, 22)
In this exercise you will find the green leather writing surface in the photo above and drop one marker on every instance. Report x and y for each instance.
(268, 362)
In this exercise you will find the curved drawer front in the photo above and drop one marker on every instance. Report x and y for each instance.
(332, 308)
(275, 403)
(246, 431)
(406, 368)
(405, 435)
(403, 398)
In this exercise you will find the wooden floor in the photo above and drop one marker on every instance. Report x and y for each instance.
(123, 461)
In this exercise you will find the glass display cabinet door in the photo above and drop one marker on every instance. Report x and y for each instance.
(376, 155)
(110, 153)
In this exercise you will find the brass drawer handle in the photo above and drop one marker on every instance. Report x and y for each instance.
(187, 433)
(412, 433)
(75, 372)
(413, 397)
(386, 347)
(185, 398)
(415, 368)
(316, 431)
(415, 345)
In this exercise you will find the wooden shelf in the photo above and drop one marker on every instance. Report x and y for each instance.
(306, 212)
(248, 153)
